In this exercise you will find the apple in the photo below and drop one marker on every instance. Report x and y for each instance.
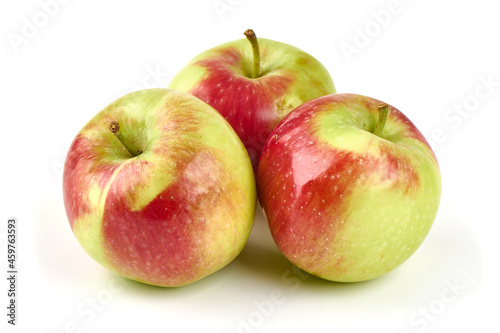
(254, 83)
(350, 187)
(159, 188)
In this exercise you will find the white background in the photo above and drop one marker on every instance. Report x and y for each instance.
(429, 59)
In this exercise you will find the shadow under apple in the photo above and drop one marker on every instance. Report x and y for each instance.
(263, 261)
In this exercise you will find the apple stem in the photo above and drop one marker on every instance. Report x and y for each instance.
(383, 111)
(114, 127)
(252, 38)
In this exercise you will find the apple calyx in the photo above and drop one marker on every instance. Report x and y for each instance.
(252, 38)
(114, 127)
(383, 111)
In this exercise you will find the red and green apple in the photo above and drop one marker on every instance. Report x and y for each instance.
(350, 187)
(159, 188)
(254, 83)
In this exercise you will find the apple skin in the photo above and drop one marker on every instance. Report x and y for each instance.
(177, 212)
(343, 203)
(221, 77)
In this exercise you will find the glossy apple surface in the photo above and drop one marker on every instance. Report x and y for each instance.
(343, 203)
(222, 77)
(177, 212)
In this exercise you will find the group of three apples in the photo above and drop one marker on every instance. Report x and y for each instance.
(161, 185)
